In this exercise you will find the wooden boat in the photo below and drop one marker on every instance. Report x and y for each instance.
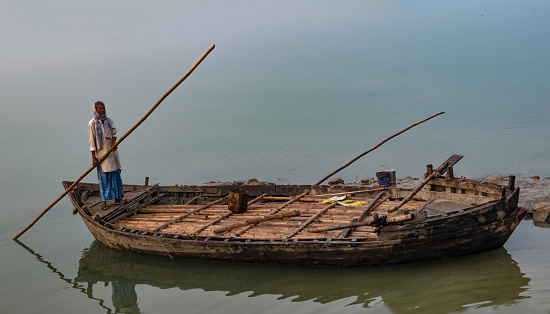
(443, 217)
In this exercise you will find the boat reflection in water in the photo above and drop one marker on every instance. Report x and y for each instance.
(488, 279)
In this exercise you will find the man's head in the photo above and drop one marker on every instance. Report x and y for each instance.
(99, 107)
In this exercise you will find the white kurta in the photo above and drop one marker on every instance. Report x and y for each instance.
(112, 162)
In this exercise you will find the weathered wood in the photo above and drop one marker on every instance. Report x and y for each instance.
(362, 223)
(285, 198)
(260, 197)
(399, 218)
(274, 211)
(257, 221)
(431, 234)
(213, 222)
(318, 198)
(133, 204)
(296, 198)
(470, 186)
(222, 217)
(371, 205)
(441, 170)
(423, 207)
(189, 213)
(311, 219)
(189, 202)
(342, 226)
(450, 173)
(367, 209)
(84, 196)
(512, 183)
(429, 170)
(237, 201)
(456, 197)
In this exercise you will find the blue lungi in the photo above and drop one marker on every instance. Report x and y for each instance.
(110, 184)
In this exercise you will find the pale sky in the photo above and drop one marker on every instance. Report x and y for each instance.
(65, 51)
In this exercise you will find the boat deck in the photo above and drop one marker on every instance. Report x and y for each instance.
(211, 220)
(308, 216)
(299, 219)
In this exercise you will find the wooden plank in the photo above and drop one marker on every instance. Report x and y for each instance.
(224, 216)
(134, 202)
(274, 211)
(304, 199)
(363, 223)
(302, 226)
(189, 213)
(257, 221)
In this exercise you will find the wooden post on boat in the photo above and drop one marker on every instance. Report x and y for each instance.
(450, 174)
(429, 170)
(512, 183)
(117, 143)
(237, 201)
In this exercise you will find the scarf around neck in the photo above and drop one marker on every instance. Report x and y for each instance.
(101, 128)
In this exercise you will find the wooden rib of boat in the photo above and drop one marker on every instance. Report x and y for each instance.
(295, 224)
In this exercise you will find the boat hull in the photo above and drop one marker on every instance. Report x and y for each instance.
(401, 247)
(437, 235)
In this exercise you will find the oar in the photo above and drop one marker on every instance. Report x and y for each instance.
(118, 142)
(375, 147)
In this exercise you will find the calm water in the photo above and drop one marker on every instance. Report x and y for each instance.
(291, 92)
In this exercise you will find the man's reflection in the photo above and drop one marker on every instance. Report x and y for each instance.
(125, 298)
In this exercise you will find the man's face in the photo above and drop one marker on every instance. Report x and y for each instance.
(100, 109)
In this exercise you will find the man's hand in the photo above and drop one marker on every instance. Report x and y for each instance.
(95, 161)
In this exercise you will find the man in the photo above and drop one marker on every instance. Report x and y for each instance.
(102, 136)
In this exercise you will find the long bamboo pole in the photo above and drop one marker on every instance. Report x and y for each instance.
(375, 147)
(117, 143)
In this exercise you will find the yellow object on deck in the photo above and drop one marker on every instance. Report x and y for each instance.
(342, 200)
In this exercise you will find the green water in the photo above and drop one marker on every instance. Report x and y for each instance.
(292, 91)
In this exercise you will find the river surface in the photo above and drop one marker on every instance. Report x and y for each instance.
(292, 91)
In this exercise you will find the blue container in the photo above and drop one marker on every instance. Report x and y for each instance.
(386, 178)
